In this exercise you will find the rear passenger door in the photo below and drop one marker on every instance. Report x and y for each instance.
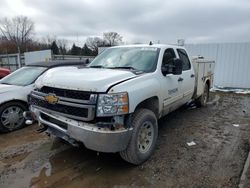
(170, 85)
(187, 78)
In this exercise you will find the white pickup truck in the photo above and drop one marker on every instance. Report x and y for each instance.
(114, 104)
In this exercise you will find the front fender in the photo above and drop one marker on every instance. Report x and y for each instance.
(139, 89)
(20, 95)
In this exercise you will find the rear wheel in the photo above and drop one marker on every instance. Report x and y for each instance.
(144, 136)
(11, 116)
(203, 99)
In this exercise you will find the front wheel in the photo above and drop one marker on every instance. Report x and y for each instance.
(143, 139)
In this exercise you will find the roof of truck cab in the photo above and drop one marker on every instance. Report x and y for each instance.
(148, 45)
(58, 63)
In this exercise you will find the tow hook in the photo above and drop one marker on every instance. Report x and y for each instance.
(29, 117)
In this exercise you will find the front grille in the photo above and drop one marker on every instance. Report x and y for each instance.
(70, 110)
(74, 94)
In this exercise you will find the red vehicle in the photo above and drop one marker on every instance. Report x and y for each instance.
(4, 72)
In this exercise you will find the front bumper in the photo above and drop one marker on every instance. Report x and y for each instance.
(93, 137)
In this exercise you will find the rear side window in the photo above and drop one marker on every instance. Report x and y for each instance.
(184, 57)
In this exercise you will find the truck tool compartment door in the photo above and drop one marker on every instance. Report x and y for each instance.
(169, 85)
(187, 78)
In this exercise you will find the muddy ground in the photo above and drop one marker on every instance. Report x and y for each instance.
(29, 159)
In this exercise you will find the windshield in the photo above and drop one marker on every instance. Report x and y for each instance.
(137, 58)
(23, 76)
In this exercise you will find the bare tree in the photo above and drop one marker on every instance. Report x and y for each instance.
(62, 44)
(17, 30)
(48, 40)
(112, 38)
(94, 42)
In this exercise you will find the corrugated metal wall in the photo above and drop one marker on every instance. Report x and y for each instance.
(232, 68)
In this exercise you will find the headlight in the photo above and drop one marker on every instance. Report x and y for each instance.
(112, 104)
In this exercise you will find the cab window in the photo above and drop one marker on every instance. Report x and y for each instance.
(184, 57)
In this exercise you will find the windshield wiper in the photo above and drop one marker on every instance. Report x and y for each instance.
(120, 67)
(5, 83)
(136, 71)
(96, 66)
(131, 68)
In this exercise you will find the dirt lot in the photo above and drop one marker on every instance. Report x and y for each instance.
(29, 159)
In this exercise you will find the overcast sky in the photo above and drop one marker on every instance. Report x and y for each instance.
(137, 20)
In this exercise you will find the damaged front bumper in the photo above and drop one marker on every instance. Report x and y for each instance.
(92, 136)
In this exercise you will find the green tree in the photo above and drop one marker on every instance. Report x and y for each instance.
(75, 50)
(54, 48)
(86, 51)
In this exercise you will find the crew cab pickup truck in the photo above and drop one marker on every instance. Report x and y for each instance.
(113, 104)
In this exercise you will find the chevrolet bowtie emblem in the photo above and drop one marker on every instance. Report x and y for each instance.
(51, 98)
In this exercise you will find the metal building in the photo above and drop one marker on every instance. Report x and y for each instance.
(232, 62)
(11, 61)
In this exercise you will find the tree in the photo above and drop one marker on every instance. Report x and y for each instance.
(86, 51)
(62, 43)
(54, 48)
(75, 50)
(93, 43)
(47, 41)
(18, 30)
(112, 38)
(7, 46)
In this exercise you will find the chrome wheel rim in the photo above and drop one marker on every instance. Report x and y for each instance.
(12, 117)
(145, 137)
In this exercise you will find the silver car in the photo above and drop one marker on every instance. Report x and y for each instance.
(15, 88)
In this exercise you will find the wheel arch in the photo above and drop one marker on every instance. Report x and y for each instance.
(16, 100)
(151, 103)
(208, 82)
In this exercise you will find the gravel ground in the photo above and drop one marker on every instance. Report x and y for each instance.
(221, 132)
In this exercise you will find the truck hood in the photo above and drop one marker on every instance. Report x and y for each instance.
(84, 79)
(7, 88)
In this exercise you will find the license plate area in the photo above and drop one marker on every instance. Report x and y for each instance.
(54, 121)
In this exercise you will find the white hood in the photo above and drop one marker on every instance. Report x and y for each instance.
(84, 79)
(7, 88)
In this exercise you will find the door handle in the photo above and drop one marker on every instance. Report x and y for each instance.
(180, 79)
(192, 75)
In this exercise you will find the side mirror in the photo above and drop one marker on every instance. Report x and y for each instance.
(164, 70)
(174, 66)
(177, 69)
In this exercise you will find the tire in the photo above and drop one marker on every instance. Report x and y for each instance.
(145, 129)
(203, 99)
(11, 116)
